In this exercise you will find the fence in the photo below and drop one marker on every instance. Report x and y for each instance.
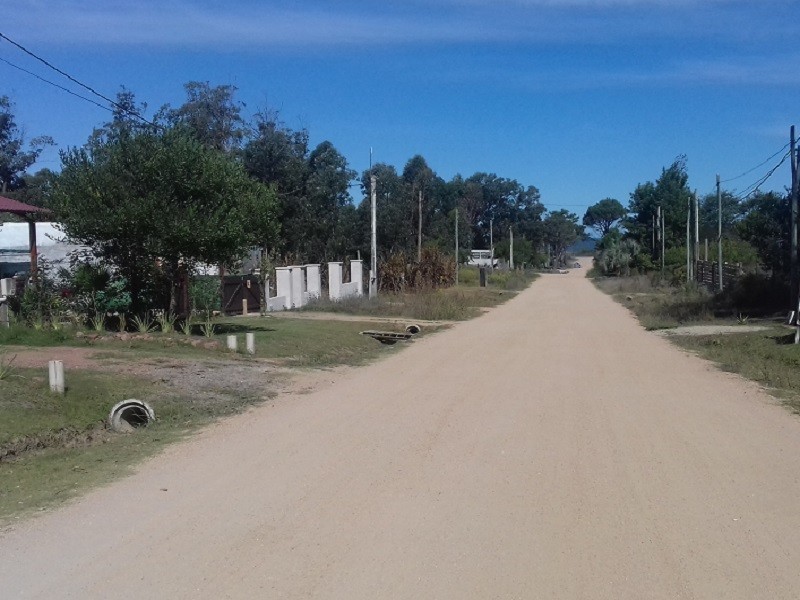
(236, 288)
(707, 273)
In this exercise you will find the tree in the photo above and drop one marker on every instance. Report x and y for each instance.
(14, 160)
(765, 226)
(604, 214)
(418, 177)
(314, 228)
(561, 229)
(395, 226)
(35, 189)
(670, 192)
(210, 114)
(160, 198)
(732, 211)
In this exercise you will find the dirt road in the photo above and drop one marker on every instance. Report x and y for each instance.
(549, 449)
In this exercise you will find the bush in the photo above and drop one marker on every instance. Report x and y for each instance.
(436, 269)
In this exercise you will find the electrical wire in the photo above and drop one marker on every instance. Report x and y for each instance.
(132, 113)
(61, 87)
(754, 187)
(758, 166)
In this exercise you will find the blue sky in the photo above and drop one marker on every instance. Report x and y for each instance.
(582, 98)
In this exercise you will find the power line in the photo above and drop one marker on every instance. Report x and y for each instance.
(758, 166)
(754, 187)
(61, 87)
(74, 80)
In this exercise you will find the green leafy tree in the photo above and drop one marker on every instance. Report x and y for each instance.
(211, 114)
(732, 211)
(671, 192)
(14, 158)
(603, 215)
(395, 224)
(561, 229)
(149, 199)
(765, 226)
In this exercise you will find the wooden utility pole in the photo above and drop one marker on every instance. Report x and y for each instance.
(696, 233)
(719, 235)
(419, 230)
(511, 248)
(793, 226)
(794, 152)
(456, 246)
(491, 244)
(688, 240)
(373, 268)
(653, 243)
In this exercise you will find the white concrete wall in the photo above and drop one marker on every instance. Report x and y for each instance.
(298, 286)
(283, 282)
(335, 281)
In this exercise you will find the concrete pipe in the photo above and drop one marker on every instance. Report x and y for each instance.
(130, 414)
(413, 329)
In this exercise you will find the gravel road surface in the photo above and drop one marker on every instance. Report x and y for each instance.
(549, 449)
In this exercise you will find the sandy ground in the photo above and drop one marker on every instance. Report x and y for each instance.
(549, 449)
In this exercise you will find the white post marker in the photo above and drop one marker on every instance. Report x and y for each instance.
(244, 307)
(56, 369)
(251, 343)
(232, 344)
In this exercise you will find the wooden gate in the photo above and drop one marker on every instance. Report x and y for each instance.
(235, 289)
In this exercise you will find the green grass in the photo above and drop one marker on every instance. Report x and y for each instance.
(660, 306)
(307, 342)
(457, 303)
(767, 357)
(22, 335)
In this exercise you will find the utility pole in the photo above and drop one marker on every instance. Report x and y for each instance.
(688, 240)
(511, 248)
(456, 246)
(660, 236)
(373, 270)
(793, 225)
(653, 243)
(696, 246)
(491, 244)
(719, 235)
(795, 157)
(419, 233)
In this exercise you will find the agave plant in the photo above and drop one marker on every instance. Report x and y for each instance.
(166, 321)
(143, 324)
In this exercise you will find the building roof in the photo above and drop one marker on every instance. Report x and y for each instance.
(19, 208)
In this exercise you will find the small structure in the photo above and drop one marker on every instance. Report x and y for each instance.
(337, 289)
(296, 286)
(27, 212)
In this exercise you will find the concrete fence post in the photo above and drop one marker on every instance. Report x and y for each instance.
(232, 343)
(251, 343)
(57, 383)
(335, 281)
(357, 275)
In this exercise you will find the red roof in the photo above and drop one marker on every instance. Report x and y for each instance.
(19, 208)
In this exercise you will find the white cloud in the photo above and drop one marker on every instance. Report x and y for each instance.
(254, 25)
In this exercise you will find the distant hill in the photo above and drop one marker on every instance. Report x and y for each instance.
(583, 247)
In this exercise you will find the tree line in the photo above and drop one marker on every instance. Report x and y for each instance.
(755, 227)
(199, 183)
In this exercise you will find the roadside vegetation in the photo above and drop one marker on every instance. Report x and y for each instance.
(767, 356)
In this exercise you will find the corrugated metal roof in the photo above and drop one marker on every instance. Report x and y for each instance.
(19, 208)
